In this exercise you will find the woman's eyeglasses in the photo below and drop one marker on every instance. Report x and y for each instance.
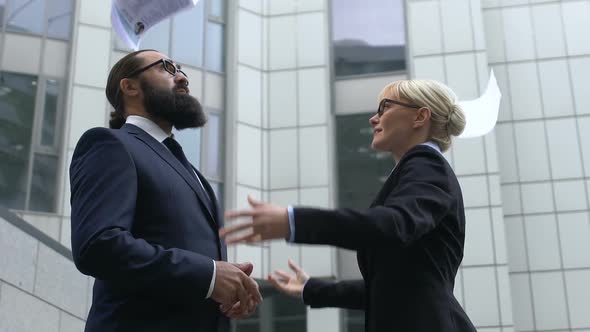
(385, 104)
(168, 65)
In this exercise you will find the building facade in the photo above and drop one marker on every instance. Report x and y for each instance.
(289, 86)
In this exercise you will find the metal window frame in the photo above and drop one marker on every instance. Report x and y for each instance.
(36, 148)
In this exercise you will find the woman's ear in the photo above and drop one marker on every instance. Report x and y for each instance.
(422, 117)
(129, 87)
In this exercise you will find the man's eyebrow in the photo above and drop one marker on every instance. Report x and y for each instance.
(178, 65)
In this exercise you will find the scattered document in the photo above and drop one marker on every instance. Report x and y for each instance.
(132, 18)
(481, 114)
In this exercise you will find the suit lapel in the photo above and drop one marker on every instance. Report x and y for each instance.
(362, 255)
(168, 157)
(385, 189)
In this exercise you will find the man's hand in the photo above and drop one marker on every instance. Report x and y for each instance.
(268, 222)
(233, 286)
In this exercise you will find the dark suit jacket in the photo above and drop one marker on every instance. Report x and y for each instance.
(142, 231)
(409, 246)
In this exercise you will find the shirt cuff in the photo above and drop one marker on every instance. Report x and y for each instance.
(212, 284)
(291, 223)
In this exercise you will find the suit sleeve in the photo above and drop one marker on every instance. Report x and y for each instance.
(104, 190)
(414, 207)
(347, 294)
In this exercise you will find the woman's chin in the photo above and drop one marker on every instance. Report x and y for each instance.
(377, 146)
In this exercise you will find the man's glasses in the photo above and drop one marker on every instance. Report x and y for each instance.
(168, 65)
(385, 104)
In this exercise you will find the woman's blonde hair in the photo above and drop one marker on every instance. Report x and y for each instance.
(447, 117)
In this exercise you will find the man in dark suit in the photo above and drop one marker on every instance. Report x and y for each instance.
(144, 221)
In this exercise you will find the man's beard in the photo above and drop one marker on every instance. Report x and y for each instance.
(180, 109)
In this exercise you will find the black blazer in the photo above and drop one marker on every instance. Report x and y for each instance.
(141, 229)
(409, 246)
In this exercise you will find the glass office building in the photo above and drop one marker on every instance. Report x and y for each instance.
(289, 86)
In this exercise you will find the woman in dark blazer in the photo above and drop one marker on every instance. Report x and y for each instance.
(409, 242)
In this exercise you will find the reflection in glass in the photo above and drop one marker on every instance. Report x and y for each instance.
(361, 170)
(187, 36)
(190, 140)
(48, 130)
(157, 37)
(2, 11)
(286, 307)
(17, 105)
(295, 325)
(217, 8)
(215, 55)
(278, 312)
(247, 325)
(368, 36)
(59, 19)
(214, 148)
(26, 16)
(43, 185)
(354, 320)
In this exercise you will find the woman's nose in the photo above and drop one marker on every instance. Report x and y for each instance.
(374, 120)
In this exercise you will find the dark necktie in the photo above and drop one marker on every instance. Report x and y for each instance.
(176, 150)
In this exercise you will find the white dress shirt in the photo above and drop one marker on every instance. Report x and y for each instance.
(158, 134)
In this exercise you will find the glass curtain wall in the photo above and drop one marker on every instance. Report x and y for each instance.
(50, 18)
(277, 313)
(31, 109)
(368, 36)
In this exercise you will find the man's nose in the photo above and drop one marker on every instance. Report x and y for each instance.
(180, 79)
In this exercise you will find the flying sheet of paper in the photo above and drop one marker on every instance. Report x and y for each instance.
(132, 18)
(481, 114)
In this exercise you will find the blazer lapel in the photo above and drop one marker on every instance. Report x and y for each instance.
(385, 189)
(165, 154)
(363, 255)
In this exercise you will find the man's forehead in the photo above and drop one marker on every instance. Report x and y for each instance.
(151, 56)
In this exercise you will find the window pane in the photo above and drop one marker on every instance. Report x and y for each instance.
(17, 105)
(190, 140)
(157, 37)
(361, 170)
(369, 36)
(291, 326)
(59, 19)
(217, 8)
(187, 40)
(43, 186)
(214, 148)
(26, 16)
(355, 320)
(247, 326)
(52, 89)
(215, 55)
(2, 12)
(286, 306)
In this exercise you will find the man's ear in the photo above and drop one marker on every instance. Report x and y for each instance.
(129, 87)
(422, 117)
